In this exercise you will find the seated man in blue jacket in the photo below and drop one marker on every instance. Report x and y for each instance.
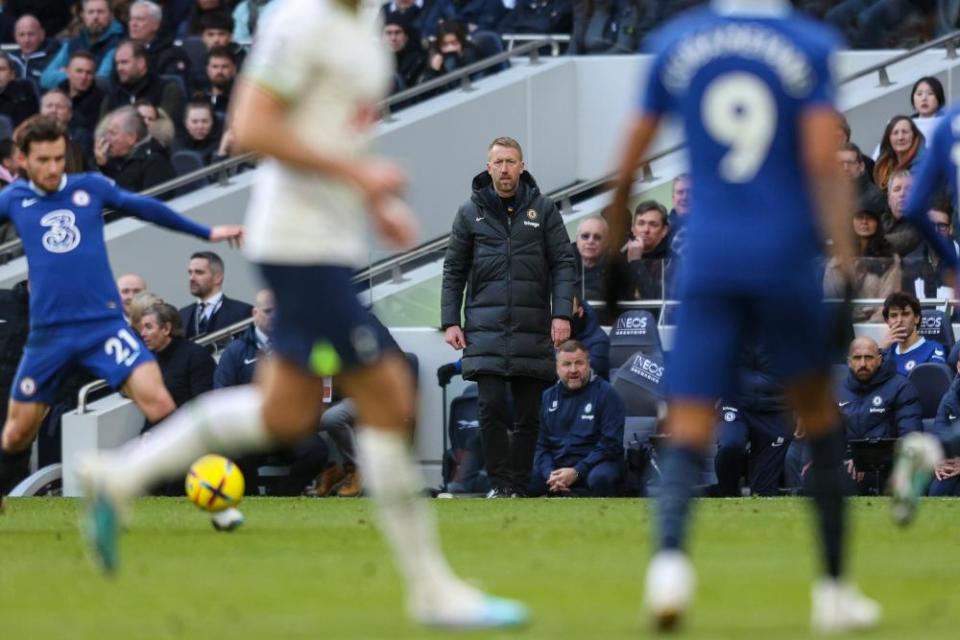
(946, 477)
(580, 445)
(876, 401)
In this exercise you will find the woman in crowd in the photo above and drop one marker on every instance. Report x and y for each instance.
(900, 149)
(927, 98)
(201, 132)
(450, 51)
(877, 269)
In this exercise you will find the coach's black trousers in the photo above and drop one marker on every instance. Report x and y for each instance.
(509, 433)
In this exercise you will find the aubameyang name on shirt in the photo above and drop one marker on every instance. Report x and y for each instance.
(747, 41)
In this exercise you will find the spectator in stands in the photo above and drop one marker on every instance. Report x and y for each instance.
(877, 269)
(99, 35)
(903, 343)
(159, 124)
(9, 171)
(53, 16)
(946, 477)
(755, 429)
(850, 159)
(221, 71)
(18, 98)
(407, 11)
(593, 234)
(56, 104)
(928, 99)
(201, 8)
(15, 311)
(922, 270)
(450, 51)
(246, 16)
(900, 149)
(187, 368)
(34, 50)
(85, 95)
(217, 31)
(128, 155)
(129, 285)
(134, 81)
(139, 305)
(308, 458)
(580, 446)
(518, 306)
(648, 252)
(875, 401)
(677, 220)
(843, 137)
(212, 311)
(902, 236)
(163, 56)
(408, 53)
(201, 132)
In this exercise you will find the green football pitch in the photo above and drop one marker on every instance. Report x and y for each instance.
(308, 568)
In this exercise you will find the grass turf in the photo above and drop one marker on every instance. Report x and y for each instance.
(307, 568)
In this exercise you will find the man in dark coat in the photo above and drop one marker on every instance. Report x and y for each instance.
(510, 250)
(18, 98)
(213, 310)
(134, 80)
(405, 44)
(129, 156)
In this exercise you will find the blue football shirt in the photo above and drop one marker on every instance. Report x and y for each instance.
(740, 84)
(62, 231)
(939, 167)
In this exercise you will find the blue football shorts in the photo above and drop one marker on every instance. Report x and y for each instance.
(318, 322)
(109, 349)
(712, 327)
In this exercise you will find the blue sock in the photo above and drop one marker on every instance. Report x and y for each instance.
(680, 467)
(825, 486)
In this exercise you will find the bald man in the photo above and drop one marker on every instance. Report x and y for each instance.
(130, 284)
(591, 241)
(876, 401)
(35, 51)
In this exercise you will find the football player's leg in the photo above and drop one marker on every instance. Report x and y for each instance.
(708, 335)
(145, 387)
(19, 432)
(384, 397)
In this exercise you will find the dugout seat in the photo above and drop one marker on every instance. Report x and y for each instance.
(935, 325)
(489, 43)
(640, 384)
(634, 331)
(931, 379)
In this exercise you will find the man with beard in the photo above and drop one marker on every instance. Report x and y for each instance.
(134, 80)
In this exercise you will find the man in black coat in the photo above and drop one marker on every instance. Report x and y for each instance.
(510, 250)
(14, 328)
(134, 80)
(187, 368)
(129, 156)
(213, 310)
(163, 56)
(407, 50)
(18, 98)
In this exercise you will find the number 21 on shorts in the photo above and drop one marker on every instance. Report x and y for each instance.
(124, 348)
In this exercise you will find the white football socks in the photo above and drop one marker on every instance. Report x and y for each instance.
(226, 420)
(407, 522)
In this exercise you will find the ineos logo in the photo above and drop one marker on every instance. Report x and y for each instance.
(632, 322)
(931, 323)
(647, 368)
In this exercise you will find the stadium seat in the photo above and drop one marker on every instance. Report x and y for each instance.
(635, 330)
(463, 469)
(931, 379)
(640, 384)
(178, 79)
(489, 44)
(935, 325)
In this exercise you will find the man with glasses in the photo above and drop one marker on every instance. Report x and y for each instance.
(851, 164)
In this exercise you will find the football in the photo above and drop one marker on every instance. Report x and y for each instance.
(214, 483)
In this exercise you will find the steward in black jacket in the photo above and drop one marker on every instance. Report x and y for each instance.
(513, 268)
